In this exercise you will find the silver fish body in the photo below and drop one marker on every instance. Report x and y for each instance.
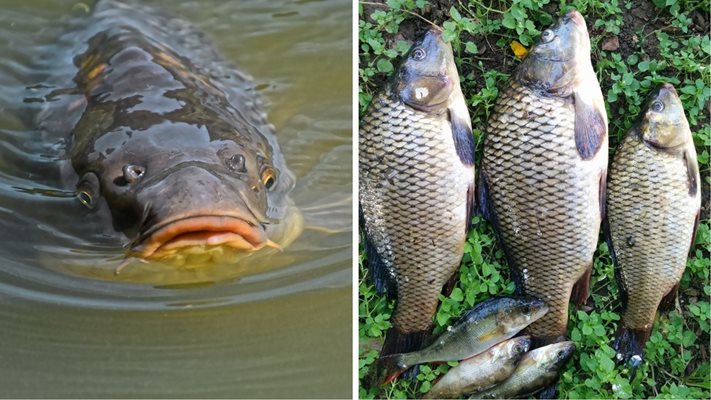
(537, 369)
(482, 371)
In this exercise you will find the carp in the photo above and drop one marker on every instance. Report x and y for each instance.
(653, 208)
(416, 164)
(177, 148)
(537, 369)
(483, 326)
(482, 371)
(543, 172)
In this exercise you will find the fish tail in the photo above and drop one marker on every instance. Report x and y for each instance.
(629, 344)
(391, 363)
(389, 368)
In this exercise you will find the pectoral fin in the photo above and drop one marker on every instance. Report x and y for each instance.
(590, 127)
(692, 171)
(462, 134)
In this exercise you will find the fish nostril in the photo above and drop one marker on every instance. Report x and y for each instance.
(131, 173)
(236, 163)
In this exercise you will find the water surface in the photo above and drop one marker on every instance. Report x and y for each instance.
(279, 326)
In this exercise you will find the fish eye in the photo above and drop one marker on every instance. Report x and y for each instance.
(657, 106)
(559, 354)
(419, 54)
(268, 178)
(86, 198)
(547, 35)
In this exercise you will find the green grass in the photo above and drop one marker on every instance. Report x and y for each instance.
(665, 49)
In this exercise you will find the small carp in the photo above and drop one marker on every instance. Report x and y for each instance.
(653, 208)
(536, 370)
(488, 323)
(416, 163)
(543, 173)
(482, 371)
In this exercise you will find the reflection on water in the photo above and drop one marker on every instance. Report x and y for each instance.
(274, 326)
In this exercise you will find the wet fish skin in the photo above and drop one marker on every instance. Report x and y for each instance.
(537, 369)
(486, 324)
(543, 172)
(170, 138)
(653, 206)
(482, 371)
(416, 165)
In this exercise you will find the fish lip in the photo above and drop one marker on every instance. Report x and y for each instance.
(669, 87)
(229, 229)
(576, 17)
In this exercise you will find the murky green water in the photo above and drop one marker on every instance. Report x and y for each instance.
(280, 327)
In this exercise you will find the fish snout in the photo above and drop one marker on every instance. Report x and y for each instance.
(576, 17)
(196, 207)
(669, 88)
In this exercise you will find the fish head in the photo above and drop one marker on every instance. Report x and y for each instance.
(663, 124)
(178, 190)
(518, 313)
(554, 356)
(514, 349)
(428, 76)
(555, 61)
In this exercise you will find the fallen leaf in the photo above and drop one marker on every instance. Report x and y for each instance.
(519, 51)
(611, 43)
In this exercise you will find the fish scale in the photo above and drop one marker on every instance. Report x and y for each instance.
(648, 198)
(416, 222)
(544, 196)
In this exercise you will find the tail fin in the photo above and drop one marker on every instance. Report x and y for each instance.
(629, 344)
(391, 365)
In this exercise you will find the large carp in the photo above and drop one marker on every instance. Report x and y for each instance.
(416, 186)
(178, 148)
(653, 207)
(543, 172)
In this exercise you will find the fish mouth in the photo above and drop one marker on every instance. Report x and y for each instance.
(202, 231)
(576, 17)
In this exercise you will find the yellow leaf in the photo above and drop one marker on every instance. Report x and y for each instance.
(519, 50)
